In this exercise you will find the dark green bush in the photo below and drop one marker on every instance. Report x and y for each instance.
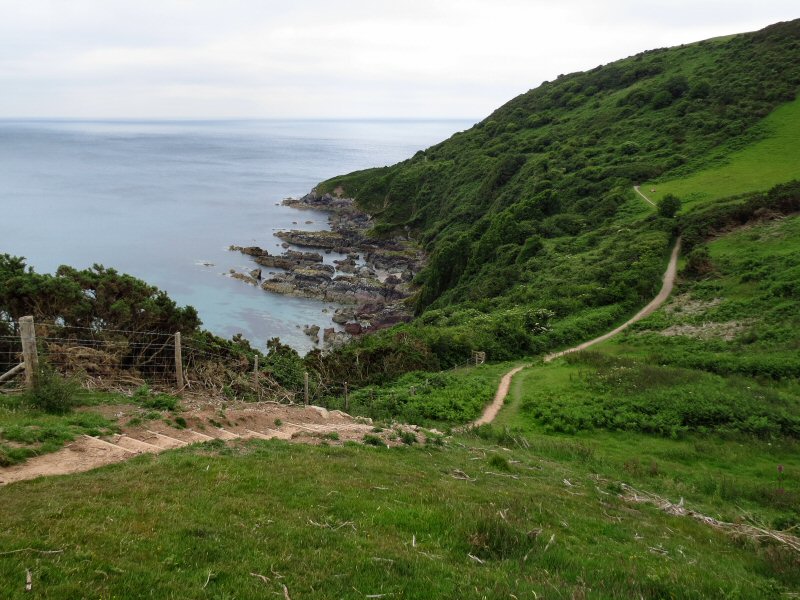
(53, 393)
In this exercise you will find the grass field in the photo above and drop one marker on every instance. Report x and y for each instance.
(213, 521)
(772, 160)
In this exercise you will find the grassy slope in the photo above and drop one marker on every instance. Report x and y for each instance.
(752, 290)
(351, 521)
(532, 208)
(26, 431)
(759, 166)
(693, 415)
(196, 522)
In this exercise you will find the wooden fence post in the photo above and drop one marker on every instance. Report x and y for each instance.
(178, 361)
(346, 400)
(27, 333)
(305, 386)
(255, 376)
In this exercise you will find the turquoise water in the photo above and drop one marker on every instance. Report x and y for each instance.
(159, 199)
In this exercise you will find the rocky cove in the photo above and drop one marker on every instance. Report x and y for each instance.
(372, 279)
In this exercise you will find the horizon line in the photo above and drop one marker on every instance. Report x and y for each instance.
(234, 119)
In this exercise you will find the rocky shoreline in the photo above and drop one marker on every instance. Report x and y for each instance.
(373, 279)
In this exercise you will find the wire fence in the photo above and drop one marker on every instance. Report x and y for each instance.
(10, 357)
(122, 360)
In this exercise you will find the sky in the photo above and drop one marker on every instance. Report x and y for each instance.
(196, 59)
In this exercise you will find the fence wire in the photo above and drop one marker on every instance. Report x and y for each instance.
(113, 359)
(10, 357)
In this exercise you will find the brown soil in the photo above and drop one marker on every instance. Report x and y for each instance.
(301, 424)
(490, 412)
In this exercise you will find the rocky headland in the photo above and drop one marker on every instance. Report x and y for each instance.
(372, 280)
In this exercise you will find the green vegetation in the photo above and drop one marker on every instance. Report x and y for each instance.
(421, 397)
(532, 210)
(621, 394)
(536, 241)
(771, 160)
(738, 312)
(147, 398)
(200, 521)
(26, 430)
(52, 393)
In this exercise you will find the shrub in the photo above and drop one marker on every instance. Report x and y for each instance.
(499, 462)
(408, 437)
(52, 393)
(669, 206)
(372, 440)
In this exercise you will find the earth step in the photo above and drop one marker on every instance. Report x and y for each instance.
(200, 437)
(163, 441)
(189, 436)
(309, 427)
(224, 434)
(130, 443)
(111, 446)
(249, 433)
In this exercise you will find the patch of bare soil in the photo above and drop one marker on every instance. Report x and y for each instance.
(707, 331)
(203, 423)
(687, 306)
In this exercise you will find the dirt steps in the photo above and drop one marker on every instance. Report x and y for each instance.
(293, 423)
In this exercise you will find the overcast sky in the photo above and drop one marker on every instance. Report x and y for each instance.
(339, 58)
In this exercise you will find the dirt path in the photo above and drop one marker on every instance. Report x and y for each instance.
(646, 199)
(490, 412)
(666, 290)
(304, 424)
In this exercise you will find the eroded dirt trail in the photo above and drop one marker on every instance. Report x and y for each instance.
(490, 412)
(666, 289)
(311, 425)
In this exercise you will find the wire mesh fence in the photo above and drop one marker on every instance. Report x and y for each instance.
(123, 360)
(105, 358)
(10, 357)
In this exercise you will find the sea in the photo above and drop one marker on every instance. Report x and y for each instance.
(163, 201)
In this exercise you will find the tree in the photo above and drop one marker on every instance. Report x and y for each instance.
(668, 206)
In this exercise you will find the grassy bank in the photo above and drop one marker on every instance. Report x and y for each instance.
(772, 160)
(472, 520)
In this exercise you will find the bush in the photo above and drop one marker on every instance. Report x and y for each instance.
(52, 393)
(408, 437)
(668, 206)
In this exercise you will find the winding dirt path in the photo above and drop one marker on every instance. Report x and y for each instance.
(666, 290)
(490, 412)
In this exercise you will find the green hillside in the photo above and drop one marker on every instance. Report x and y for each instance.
(663, 463)
(535, 237)
(773, 159)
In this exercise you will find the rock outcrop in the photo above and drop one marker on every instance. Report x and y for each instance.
(372, 279)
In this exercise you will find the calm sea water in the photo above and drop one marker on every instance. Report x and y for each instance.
(159, 199)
